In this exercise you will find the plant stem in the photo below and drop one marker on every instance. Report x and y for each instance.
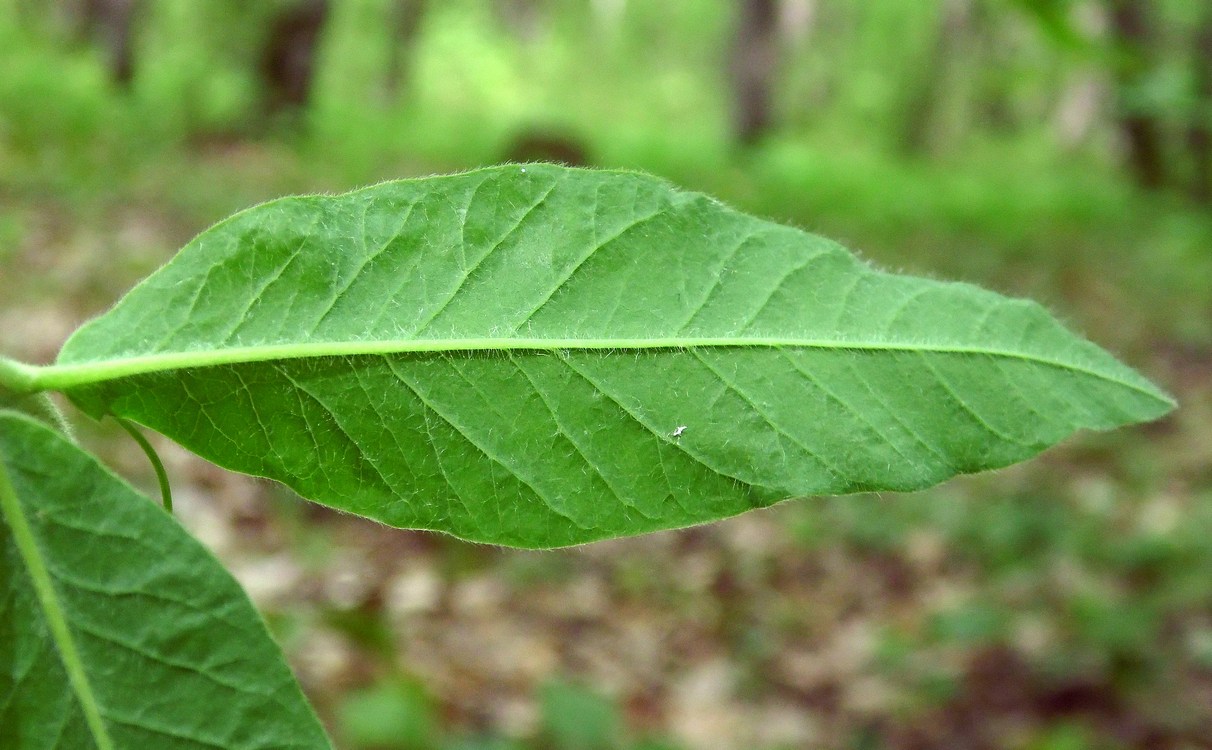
(39, 405)
(51, 409)
(166, 492)
(17, 377)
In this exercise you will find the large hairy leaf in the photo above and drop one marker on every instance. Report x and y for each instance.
(540, 356)
(119, 630)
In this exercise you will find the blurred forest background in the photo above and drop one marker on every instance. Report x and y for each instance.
(1058, 149)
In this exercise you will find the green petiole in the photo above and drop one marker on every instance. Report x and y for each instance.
(166, 493)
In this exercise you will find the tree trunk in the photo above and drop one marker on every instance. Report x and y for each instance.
(1142, 133)
(754, 61)
(1199, 134)
(289, 58)
(929, 87)
(524, 19)
(111, 24)
(406, 23)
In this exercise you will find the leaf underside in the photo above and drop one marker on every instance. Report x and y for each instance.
(117, 628)
(540, 356)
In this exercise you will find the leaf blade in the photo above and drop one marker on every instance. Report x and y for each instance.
(420, 343)
(118, 624)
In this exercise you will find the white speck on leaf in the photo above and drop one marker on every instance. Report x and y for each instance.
(677, 432)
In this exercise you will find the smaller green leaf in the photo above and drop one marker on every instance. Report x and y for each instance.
(117, 628)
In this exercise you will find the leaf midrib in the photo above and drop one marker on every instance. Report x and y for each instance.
(52, 609)
(65, 376)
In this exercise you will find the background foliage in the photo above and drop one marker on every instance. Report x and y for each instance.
(1051, 148)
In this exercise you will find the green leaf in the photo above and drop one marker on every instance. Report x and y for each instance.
(540, 356)
(117, 628)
